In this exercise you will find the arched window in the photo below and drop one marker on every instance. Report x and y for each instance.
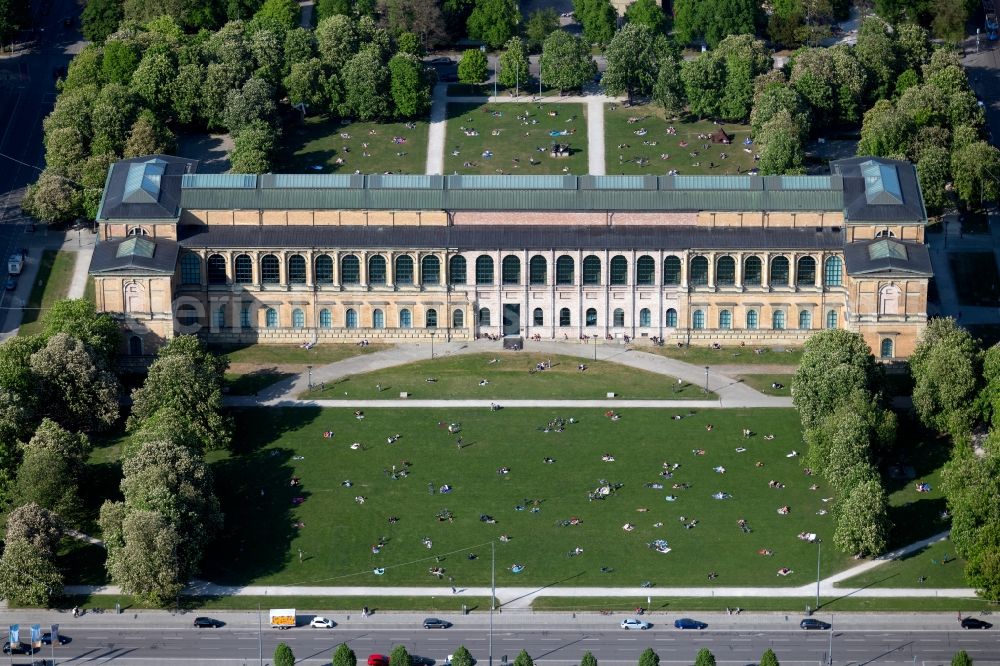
(325, 319)
(136, 231)
(564, 269)
(725, 271)
(244, 269)
(135, 345)
(135, 299)
(591, 317)
(377, 273)
(619, 270)
(779, 272)
(885, 233)
(271, 318)
(670, 320)
(484, 269)
(216, 269)
(833, 272)
(190, 268)
(698, 320)
(510, 270)
(270, 269)
(831, 319)
(537, 317)
(618, 317)
(807, 272)
(778, 320)
(324, 269)
(538, 270)
(699, 271)
(645, 318)
(805, 320)
(752, 271)
(245, 321)
(752, 319)
(885, 349)
(645, 270)
(430, 270)
(725, 319)
(591, 270)
(298, 318)
(187, 315)
(672, 271)
(296, 269)
(404, 269)
(350, 270)
(219, 321)
(564, 317)
(378, 318)
(351, 318)
(405, 319)
(458, 319)
(484, 316)
(888, 300)
(431, 318)
(456, 270)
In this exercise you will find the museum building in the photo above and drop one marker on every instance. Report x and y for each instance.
(295, 258)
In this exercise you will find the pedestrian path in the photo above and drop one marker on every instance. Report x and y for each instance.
(78, 283)
(436, 130)
(595, 137)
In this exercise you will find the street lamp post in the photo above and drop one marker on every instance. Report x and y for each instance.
(829, 650)
(706, 380)
(595, 347)
(819, 551)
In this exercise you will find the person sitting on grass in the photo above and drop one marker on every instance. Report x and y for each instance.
(784, 571)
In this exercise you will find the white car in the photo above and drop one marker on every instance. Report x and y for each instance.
(632, 623)
(321, 623)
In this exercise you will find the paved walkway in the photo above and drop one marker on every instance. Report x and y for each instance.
(78, 284)
(595, 137)
(435, 131)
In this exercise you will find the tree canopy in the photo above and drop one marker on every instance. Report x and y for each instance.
(566, 62)
(494, 22)
(945, 368)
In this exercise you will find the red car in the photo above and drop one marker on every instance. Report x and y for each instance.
(378, 660)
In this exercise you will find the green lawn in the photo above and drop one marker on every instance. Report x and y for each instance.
(789, 356)
(293, 354)
(250, 383)
(320, 141)
(444, 604)
(514, 375)
(517, 135)
(765, 383)
(751, 604)
(937, 565)
(55, 272)
(265, 529)
(643, 145)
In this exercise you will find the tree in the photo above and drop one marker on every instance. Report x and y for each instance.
(409, 43)
(50, 470)
(863, 520)
(119, 62)
(328, 8)
(113, 114)
(283, 655)
(668, 91)
(834, 363)
(971, 484)
(876, 51)
(885, 132)
(713, 20)
(65, 150)
(79, 318)
(421, 18)
(253, 102)
(649, 658)
(845, 444)
(514, 64)
(633, 58)
(185, 94)
(74, 389)
(36, 526)
(472, 67)
(148, 136)
(27, 577)
(299, 46)
(15, 367)
(704, 658)
(152, 80)
(934, 174)
(703, 80)
(265, 45)
(337, 41)
(649, 14)
(399, 656)
(344, 656)
(566, 63)
(774, 99)
(950, 20)
(523, 659)
(598, 19)
(746, 58)
(461, 657)
(945, 368)
(410, 85)
(962, 658)
(494, 21)
(49, 436)
(367, 86)
(100, 18)
(305, 84)
(982, 571)
(768, 658)
(283, 13)
(588, 659)
(141, 549)
(974, 168)
(51, 199)
(540, 24)
(781, 149)
(252, 148)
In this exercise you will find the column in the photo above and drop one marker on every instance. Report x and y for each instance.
(739, 271)
(765, 271)
(711, 271)
(793, 271)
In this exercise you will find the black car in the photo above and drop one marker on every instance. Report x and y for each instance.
(47, 639)
(208, 623)
(434, 623)
(975, 623)
(813, 623)
(19, 648)
(11, 283)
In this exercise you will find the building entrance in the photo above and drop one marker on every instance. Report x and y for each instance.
(511, 319)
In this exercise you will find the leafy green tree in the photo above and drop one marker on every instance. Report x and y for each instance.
(649, 14)
(283, 655)
(337, 41)
(863, 520)
(494, 22)
(962, 658)
(971, 484)
(284, 13)
(768, 658)
(876, 51)
(913, 46)
(704, 658)
(305, 84)
(148, 136)
(409, 43)
(713, 20)
(774, 99)
(51, 199)
(982, 571)
(344, 656)
(50, 471)
(523, 659)
(834, 363)
(185, 93)
(633, 59)
(410, 85)
(399, 656)
(780, 144)
(152, 80)
(100, 18)
(746, 58)
(588, 659)
(142, 547)
(540, 24)
(73, 387)
(373, 37)
(367, 86)
(598, 19)
(844, 445)
(704, 78)
(266, 47)
(513, 64)
(65, 150)
(328, 8)
(649, 658)
(119, 62)
(15, 369)
(461, 657)
(668, 91)
(253, 102)
(472, 68)
(252, 149)
(84, 69)
(974, 168)
(36, 526)
(113, 114)
(950, 21)
(885, 132)
(934, 173)
(945, 368)
(49, 436)
(79, 318)
(566, 62)
(27, 577)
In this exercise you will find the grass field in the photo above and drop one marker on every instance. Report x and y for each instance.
(762, 604)
(643, 146)
(321, 141)
(512, 376)
(265, 529)
(518, 146)
(936, 564)
(730, 355)
(55, 272)
(255, 367)
(765, 383)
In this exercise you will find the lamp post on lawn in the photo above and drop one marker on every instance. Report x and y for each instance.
(706, 380)
(595, 347)
(310, 369)
(432, 344)
(819, 551)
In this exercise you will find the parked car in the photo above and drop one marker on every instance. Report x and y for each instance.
(441, 60)
(322, 623)
(11, 283)
(813, 623)
(47, 639)
(18, 648)
(688, 623)
(975, 623)
(208, 623)
(435, 623)
(633, 623)
(378, 660)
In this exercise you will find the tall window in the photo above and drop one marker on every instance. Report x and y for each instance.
(244, 269)
(670, 318)
(219, 321)
(725, 271)
(430, 270)
(431, 318)
(831, 319)
(484, 316)
(377, 273)
(405, 319)
(537, 317)
(484, 269)
(510, 270)
(296, 269)
(458, 319)
(591, 270)
(644, 318)
(807, 272)
(325, 320)
(618, 317)
(270, 269)
(245, 317)
(216, 269)
(832, 271)
(404, 270)
(456, 270)
(324, 269)
(778, 320)
(725, 319)
(538, 270)
(135, 346)
(298, 318)
(619, 270)
(885, 349)
(351, 318)
(564, 269)
(271, 318)
(378, 318)
(779, 272)
(698, 320)
(645, 270)
(752, 271)
(752, 319)
(564, 317)
(805, 320)
(350, 270)
(187, 315)
(190, 268)
(699, 271)
(591, 317)
(672, 271)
